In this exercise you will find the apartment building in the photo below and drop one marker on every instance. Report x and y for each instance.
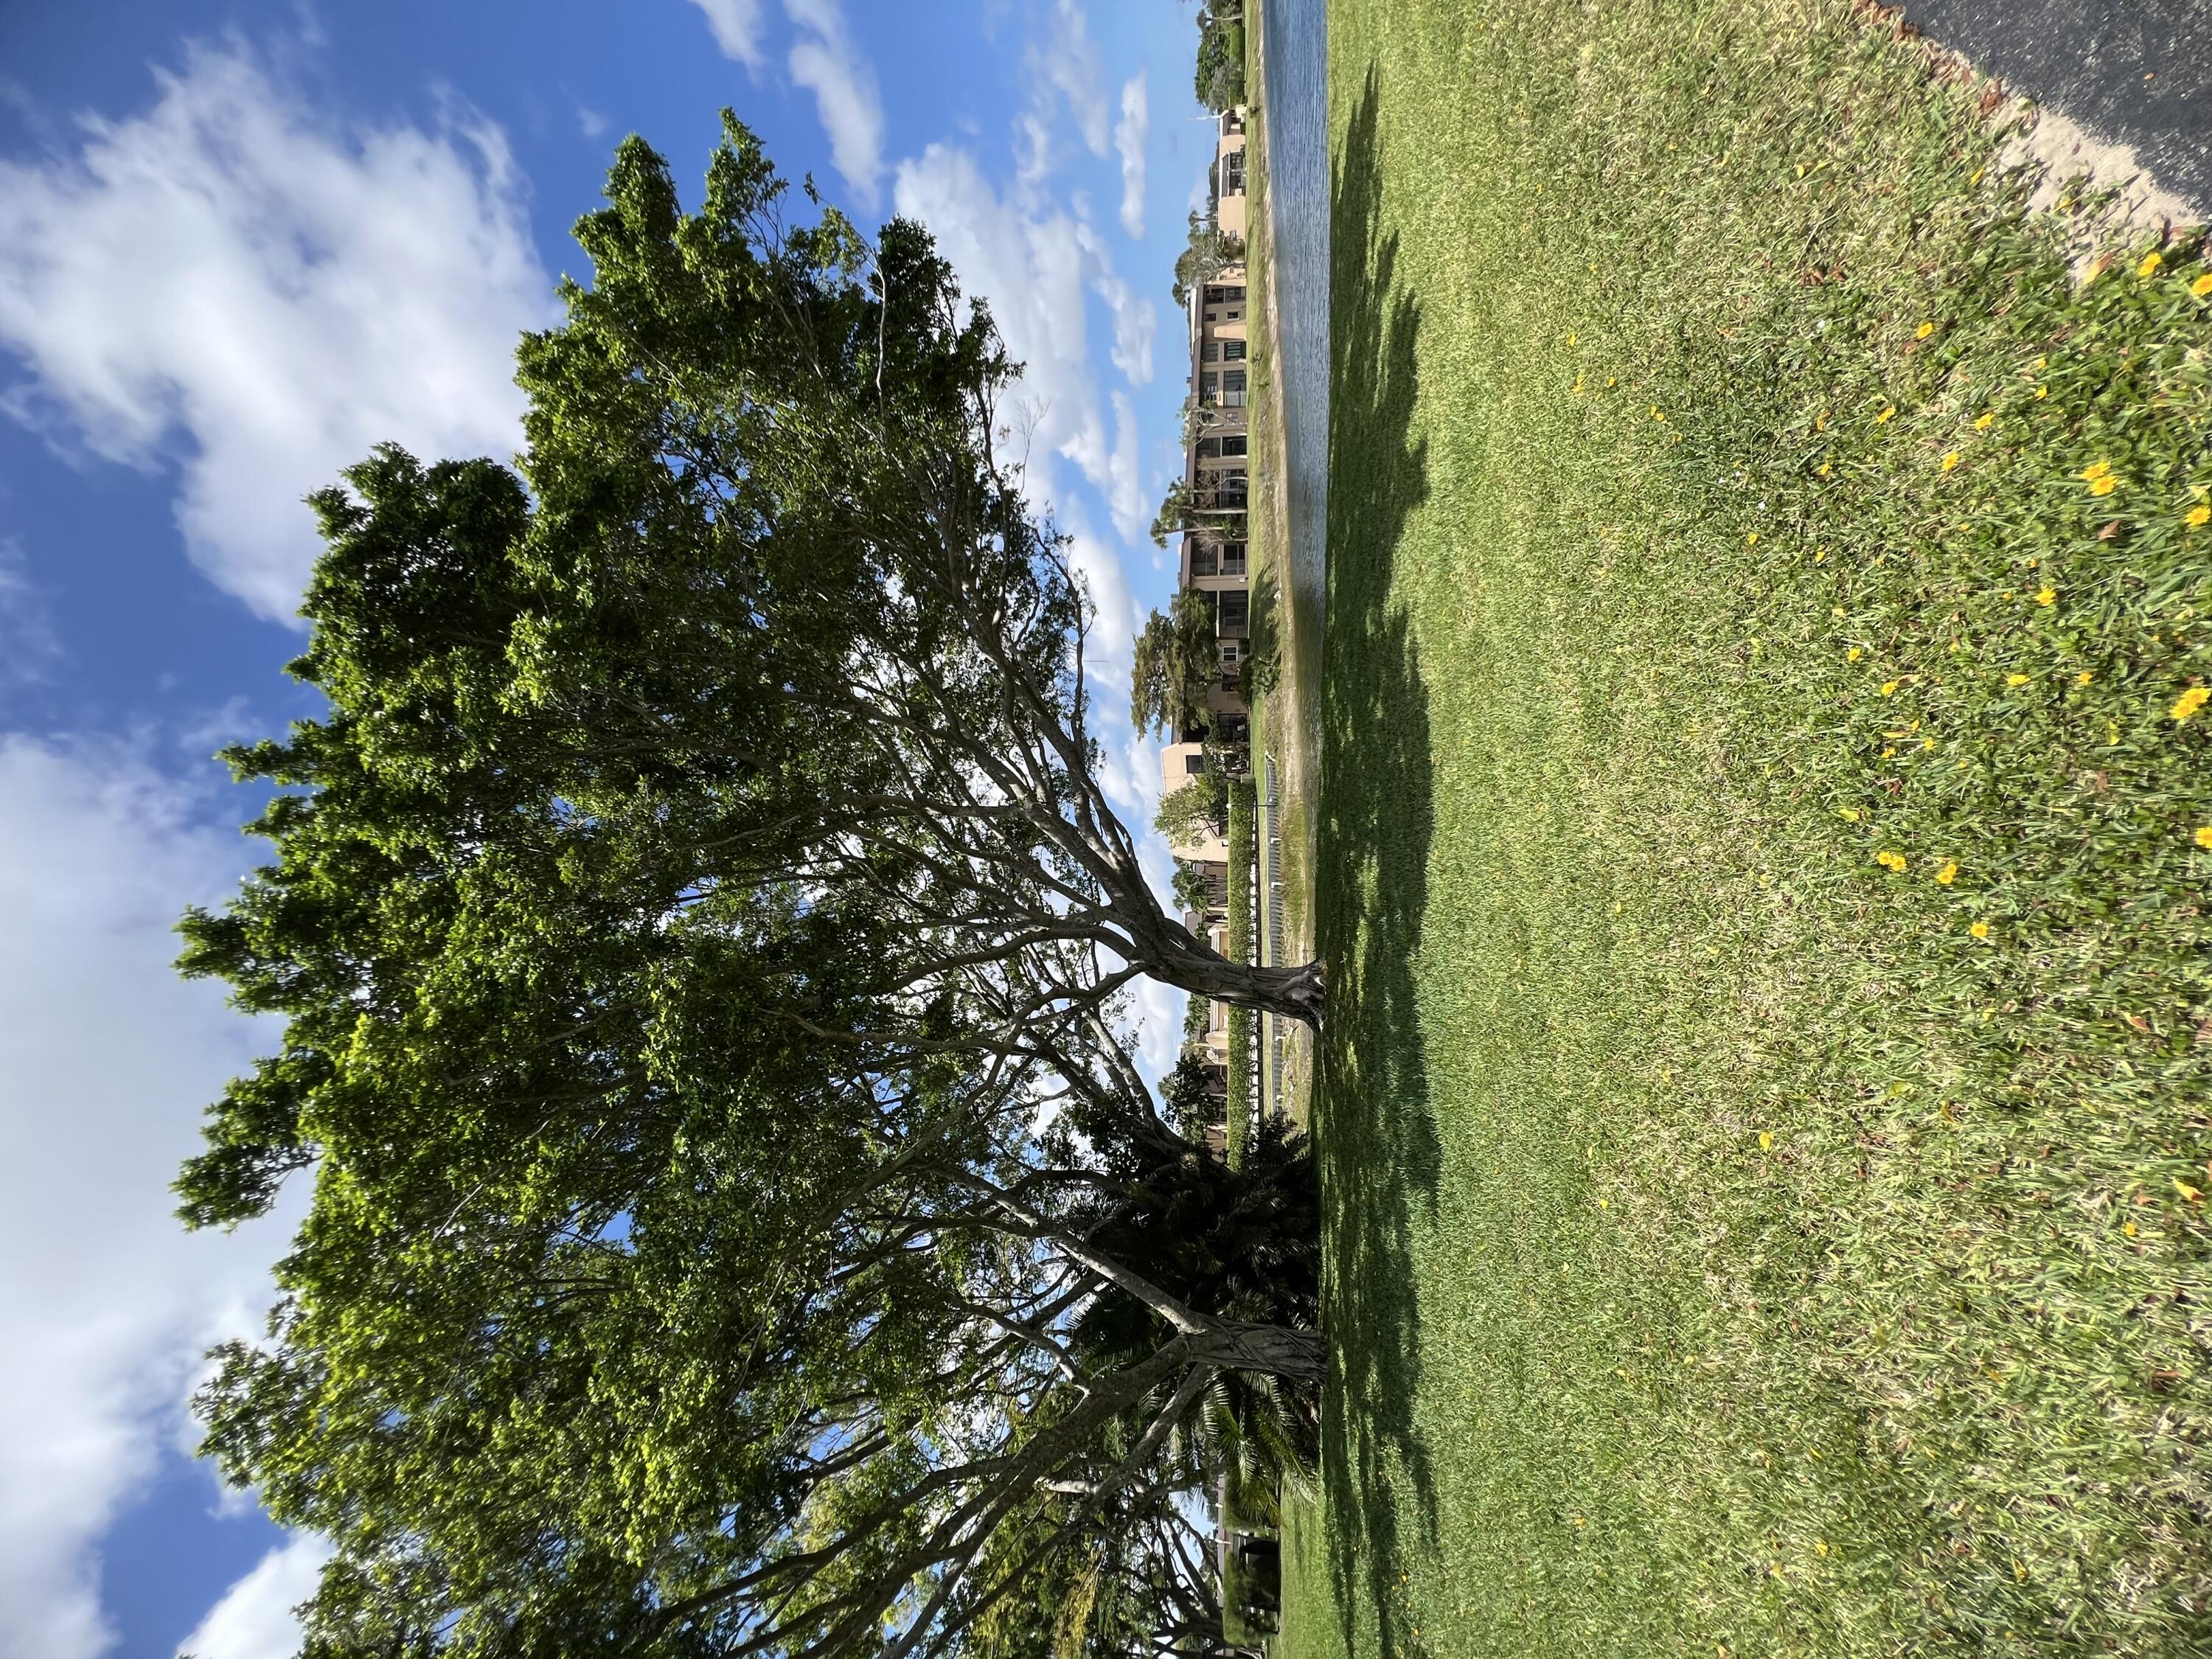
(1230, 202)
(1217, 469)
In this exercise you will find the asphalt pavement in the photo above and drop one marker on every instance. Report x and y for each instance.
(2134, 72)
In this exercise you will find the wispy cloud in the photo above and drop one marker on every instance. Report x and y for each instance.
(1136, 320)
(737, 27)
(235, 287)
(28, 644)
(1130, 134)
(254, 1619)
(1064, 68)
(825, 61)
(1035, 265)
(1070, 65)
(108, 1057)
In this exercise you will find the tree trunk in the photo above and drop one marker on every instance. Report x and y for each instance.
(1297, 993)
(1296, 1356)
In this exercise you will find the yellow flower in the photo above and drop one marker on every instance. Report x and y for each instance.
(1979, 930)
(1890, 862)
(1984, 421)
(2190, 1194)
(1889, 688)
(1570, 340)
(2043, 391)
(2186, 705)
(1765, 1140)
(1886, 414)
(1855, 653)
(2104, 486)
(2111, 733)
(1826, 467)
(2197, 516)
(1924, 331)
(1751, 539)
(2201, 286)
(2151, 262)
(1848, 814)
(2085, 677)
(1820, 422)
(1655, 415)
(2095, 471)
(2204, 835)
(1576, 389)
(2047, 596)
(2015, 679)
(1950, 460)
(1975, 179)
(1948, 873)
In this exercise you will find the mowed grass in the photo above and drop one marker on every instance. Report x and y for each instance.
(1764, 1110)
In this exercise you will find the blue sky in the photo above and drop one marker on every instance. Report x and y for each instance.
(238, 244)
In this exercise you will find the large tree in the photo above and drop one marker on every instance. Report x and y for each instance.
(777, 567)
(1175, 664)
(738, 1226)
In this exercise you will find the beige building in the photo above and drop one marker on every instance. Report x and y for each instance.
(1229, 173)
(1179, 763)
(1217, 472)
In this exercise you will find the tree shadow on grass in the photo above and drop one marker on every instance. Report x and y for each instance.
(1377, 1138)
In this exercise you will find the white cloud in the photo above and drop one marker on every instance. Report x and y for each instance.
(1031, 266)
(590, 123)
(235, 285)
(27, 642)
(255, 1620)
(107, 1058)
(825, 61)
(1130, 133)
(1136, 321)
(737, 27)
(1070, 65)
(1125, 484)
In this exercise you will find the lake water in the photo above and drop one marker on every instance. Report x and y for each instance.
(1296, 41)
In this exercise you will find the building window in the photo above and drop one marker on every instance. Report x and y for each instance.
(1224, 293)
(1232, 387)
(1236, 611)
(1209, 387)
(1211, 352)
(1233, 445)
(1194, 765)
(1233, 350)
(1228, 653)
(1232, 558)
(1205, 562)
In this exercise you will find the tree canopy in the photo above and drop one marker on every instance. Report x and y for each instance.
(738, 1224)
(1174, 663)
(1208, 251)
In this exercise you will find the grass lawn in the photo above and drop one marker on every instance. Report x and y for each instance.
(1765, 1106)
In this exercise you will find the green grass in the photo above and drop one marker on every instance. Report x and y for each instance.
(1728, 1250)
